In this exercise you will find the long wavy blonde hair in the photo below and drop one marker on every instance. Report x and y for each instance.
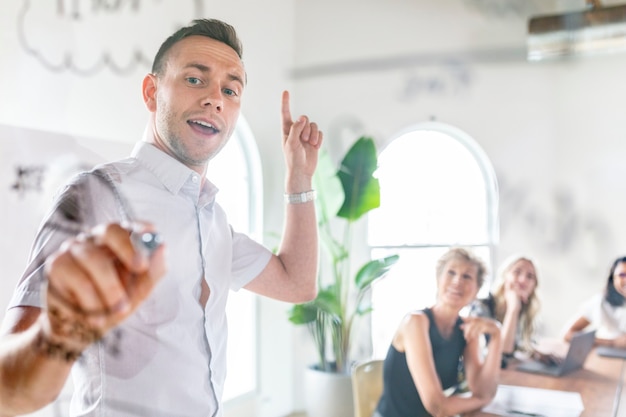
(530, 310)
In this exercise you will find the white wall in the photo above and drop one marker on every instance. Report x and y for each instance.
(553, 131)
(107, 105)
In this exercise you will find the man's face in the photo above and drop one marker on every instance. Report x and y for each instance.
(196, 100)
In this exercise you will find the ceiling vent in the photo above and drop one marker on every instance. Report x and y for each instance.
(596, 30)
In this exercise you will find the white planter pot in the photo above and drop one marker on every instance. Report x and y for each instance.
(328, 394)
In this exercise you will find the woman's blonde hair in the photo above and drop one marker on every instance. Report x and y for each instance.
(530, 310)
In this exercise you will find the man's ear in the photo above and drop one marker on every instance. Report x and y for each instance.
(148, 89)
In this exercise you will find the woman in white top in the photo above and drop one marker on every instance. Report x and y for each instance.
(606, 312)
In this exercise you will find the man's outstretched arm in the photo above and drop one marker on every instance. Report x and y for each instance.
(94, 282)
(291, 274)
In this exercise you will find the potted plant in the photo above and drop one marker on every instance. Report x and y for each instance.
(344, 196)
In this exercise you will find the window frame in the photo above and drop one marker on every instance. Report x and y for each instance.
(244, 137)
(491, 238)
(486, 169)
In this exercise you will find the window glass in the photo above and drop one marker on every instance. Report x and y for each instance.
(432, 182)
(438, 190)
(236, 172)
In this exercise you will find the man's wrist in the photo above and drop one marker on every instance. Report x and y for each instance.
(57, 350)
(300, 198)
(63, 336)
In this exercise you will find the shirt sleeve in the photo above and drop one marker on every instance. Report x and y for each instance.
(592, 310)
(75, 208)
(249, 260)
(56, 227)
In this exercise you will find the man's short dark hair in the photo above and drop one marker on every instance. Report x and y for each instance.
(211, 28)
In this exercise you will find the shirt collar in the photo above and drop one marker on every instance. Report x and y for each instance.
(171, 172)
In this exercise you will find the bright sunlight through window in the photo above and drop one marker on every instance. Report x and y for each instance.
(236, 172)
(438, 190)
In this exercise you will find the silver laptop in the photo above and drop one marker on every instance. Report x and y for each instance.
(579, 348)
(611, 352)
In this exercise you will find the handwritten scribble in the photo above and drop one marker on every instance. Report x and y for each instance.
(448, 79)
(87, 36)
(28, 179)
(558, 224)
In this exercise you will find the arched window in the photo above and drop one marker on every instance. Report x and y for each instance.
(438, 190)
(236, 171)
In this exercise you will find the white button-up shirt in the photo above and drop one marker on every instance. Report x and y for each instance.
(169, 358)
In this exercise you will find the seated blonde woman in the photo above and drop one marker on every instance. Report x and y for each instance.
(514, 303)
(431, 345)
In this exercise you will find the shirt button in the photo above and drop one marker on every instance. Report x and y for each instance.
(194, 179)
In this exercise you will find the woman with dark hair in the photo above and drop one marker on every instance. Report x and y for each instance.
(606, 311)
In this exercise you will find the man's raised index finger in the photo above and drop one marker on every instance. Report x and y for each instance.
(286, 113)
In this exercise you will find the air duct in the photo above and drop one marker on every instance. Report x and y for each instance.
(598, 30)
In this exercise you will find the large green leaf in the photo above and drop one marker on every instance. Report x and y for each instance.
(303, 313)
(356, 173)
(328, 188)
(328, 300)
(373, 270)
(344, 194)
(330, 198)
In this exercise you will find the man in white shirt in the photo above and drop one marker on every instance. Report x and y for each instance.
(143, 331)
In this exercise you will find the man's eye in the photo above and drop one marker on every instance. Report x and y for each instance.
(193, 80)
(230, 92)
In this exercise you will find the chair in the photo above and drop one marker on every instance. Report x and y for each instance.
(367, 386)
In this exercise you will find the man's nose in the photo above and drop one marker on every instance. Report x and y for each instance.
(214, 98)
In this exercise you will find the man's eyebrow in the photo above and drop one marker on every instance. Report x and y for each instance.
(204, 68)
